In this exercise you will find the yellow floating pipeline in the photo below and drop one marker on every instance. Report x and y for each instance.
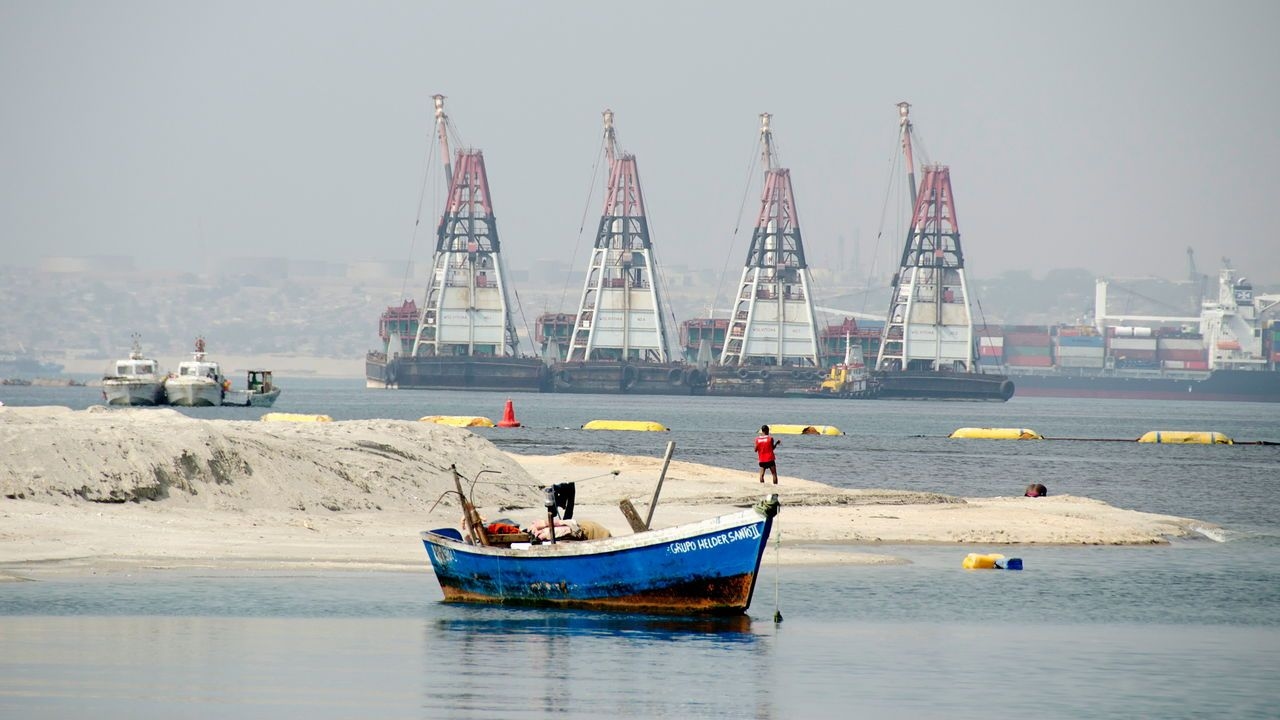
(997, 434)
(990, 561)
(804, 430)
(634, 425)
(1185, 437)
(294, 417)
(458, 420)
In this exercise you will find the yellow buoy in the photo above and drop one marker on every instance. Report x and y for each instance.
(294, 417)
(804, 430)
(458, 420)
(997, 434)
(980, 561)
(990, 561)
(1178, 437)
(638, 425)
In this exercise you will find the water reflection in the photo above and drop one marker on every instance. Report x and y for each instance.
(736, 628)
(587, 663)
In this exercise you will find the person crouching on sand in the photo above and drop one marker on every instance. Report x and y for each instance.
(764, 451)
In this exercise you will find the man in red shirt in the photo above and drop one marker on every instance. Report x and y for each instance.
(764, 451)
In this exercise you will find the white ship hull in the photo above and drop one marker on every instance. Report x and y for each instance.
(133, 392)
(193, 392)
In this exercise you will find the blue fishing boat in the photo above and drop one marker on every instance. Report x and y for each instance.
(703, 568)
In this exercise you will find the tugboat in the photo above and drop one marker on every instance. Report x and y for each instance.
(849, 379)
(136, 380)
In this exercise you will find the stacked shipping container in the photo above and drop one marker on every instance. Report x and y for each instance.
(1079, 347)
(990, 347)
(1132, 347)
(1027, 346)
(1183, 351)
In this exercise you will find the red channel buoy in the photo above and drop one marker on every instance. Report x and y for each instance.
(508, 416)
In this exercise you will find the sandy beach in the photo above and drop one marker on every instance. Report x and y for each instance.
(110, 490)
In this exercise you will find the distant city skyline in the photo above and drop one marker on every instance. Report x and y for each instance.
(1103, 136)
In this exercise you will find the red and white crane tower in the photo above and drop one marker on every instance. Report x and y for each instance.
(466, 311)
(772, 321)
(621, 315)
(929, 325)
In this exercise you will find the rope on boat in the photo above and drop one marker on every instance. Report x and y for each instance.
(539, 485)
(777, 566)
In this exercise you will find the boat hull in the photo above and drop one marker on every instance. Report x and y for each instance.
(193, 394)
(248, 398)
(1216, 385)
(705, 568)
(488, 374)
(133, 393)
(927, 385)
(762, 382)
(264, 399)
(609, 377)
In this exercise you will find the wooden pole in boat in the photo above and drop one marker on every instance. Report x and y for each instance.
(470, 518)
(671, 448)
(550, 503)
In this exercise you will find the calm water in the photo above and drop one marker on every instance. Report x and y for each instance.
(1187, 630)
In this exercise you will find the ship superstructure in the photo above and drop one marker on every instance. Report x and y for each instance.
(771, 346)
(1231, 325)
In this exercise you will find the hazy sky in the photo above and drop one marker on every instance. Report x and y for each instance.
(1103, 135)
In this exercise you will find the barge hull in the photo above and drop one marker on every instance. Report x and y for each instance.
(485, 374)
(925, 385)
(611, 378)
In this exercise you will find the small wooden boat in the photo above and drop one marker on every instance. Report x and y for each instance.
(260, 391)
(703, 568)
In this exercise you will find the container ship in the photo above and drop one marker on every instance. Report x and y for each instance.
(1230, 353)
(462, 337)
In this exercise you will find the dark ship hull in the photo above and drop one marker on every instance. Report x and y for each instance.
(487, 374)
(631, 378)
(763, 382)
(930, 385)
(1220, 385)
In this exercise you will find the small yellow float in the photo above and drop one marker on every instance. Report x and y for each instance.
(634, 425)
(458, 420)
(804, 430)
(294, 417)
(997, 434)
(1185, 437)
